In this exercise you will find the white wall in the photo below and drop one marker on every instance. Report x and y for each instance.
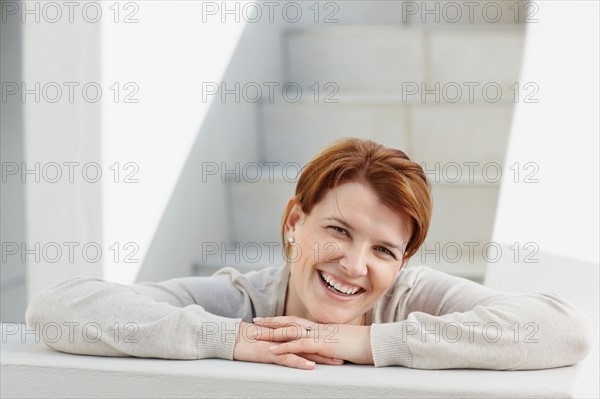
(164, 52)
(59, 128)
(198, 210)
(558, 135)
(166, 55)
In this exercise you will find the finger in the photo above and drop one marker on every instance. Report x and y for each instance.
(315, 357)
(300, 346)
(262, 333)
(252, 332)
(249, 331)
(268, 322)
(284, 334)
(294, 361)
(305, 346)
(259, 352)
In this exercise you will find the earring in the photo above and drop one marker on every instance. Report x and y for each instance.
(290, 239)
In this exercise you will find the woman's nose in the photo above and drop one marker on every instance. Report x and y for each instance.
(354, 261)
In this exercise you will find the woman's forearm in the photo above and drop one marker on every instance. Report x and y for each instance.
(534, 331)
(94, 317)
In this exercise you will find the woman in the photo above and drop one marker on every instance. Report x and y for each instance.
(360, 211)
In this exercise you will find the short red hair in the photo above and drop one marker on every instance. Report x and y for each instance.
(400, 184)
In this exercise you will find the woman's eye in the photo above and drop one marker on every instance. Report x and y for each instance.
(338, 230)
(386, 251)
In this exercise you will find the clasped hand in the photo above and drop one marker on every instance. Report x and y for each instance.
(295, 342)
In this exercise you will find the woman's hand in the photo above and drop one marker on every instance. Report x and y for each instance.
(300, 337)
(253, 347)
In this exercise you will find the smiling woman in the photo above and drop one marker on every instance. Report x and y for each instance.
(360, 211)
(353, 259)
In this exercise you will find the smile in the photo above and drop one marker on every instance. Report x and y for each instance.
(337, 287)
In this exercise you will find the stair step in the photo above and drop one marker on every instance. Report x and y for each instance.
(380, 58)
(424, 93)
(258, 206)
(486, 14)
(430, 134)
(450, 134)
(386, 58)
(488, 56)
(462, 214)
(296, 132)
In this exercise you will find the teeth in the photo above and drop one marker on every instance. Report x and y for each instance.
(338, 286)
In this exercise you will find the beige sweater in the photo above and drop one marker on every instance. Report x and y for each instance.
(427, 320)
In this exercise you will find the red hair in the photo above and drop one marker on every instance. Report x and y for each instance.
(399, 183)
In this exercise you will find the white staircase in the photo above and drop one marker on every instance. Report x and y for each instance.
(365, 72)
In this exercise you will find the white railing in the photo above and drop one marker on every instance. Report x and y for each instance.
(30, 369)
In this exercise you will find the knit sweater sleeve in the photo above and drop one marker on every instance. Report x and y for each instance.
(160, 320)
(439, 321)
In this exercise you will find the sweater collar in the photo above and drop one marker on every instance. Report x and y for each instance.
(283, 276)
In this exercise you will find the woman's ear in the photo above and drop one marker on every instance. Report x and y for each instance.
(295, 217)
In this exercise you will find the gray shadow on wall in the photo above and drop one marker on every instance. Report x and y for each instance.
(197, 211)
(12, 209)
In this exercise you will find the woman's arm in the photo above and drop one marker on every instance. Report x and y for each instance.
(162, 320)
(432, 320)
(443, 321)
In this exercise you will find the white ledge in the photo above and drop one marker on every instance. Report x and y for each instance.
(31, 369)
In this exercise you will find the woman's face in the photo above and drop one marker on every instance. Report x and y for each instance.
(346, 254)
